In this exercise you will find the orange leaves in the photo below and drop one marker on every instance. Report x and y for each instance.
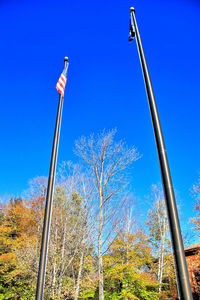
(18, 230)
(7, 263)
(7, 257)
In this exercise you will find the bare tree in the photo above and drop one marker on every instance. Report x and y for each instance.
(71, 232)
(159, 233)
(70, 237)
(108, 161)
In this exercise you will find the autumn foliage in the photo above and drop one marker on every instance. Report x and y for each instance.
(97, 248)
(71, 269)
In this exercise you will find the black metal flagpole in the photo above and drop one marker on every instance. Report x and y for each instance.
(183, 283)
(49, 200)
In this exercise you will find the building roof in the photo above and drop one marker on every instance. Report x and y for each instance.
(192, 249)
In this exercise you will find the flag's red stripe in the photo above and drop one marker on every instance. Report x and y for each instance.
(60, 88)
(63, 78)
(61, 83)
(60, 92)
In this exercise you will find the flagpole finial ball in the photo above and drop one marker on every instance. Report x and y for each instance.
(132, 9)
(66, 59)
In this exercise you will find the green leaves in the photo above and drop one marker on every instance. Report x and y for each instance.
(126, 273)
(89, 293)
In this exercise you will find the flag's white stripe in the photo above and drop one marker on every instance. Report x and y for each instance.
(62, 77)
(61, 83)
(60, 87)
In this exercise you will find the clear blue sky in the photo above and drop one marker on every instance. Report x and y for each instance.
(105, 86)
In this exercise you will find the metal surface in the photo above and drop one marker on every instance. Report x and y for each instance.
(183, 283)
(48, 206)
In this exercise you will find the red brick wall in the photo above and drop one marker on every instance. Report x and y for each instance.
(193, 262)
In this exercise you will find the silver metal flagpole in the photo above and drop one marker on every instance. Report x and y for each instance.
(49, 200)
(183, 283)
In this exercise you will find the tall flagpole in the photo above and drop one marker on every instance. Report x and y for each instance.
(183, 283)
(49, 200)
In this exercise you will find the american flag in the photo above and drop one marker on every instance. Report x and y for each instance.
(60, 86)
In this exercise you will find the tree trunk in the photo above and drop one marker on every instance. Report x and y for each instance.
(100, 270)
(79, 277)
(54, 246)
(62, 260)
(161, 259)
(163, 246)
(159, 268)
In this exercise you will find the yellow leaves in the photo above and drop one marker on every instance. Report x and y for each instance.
(4, 230)
(125, 268)
(130, 248)
(145, 278)
(90, 281)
